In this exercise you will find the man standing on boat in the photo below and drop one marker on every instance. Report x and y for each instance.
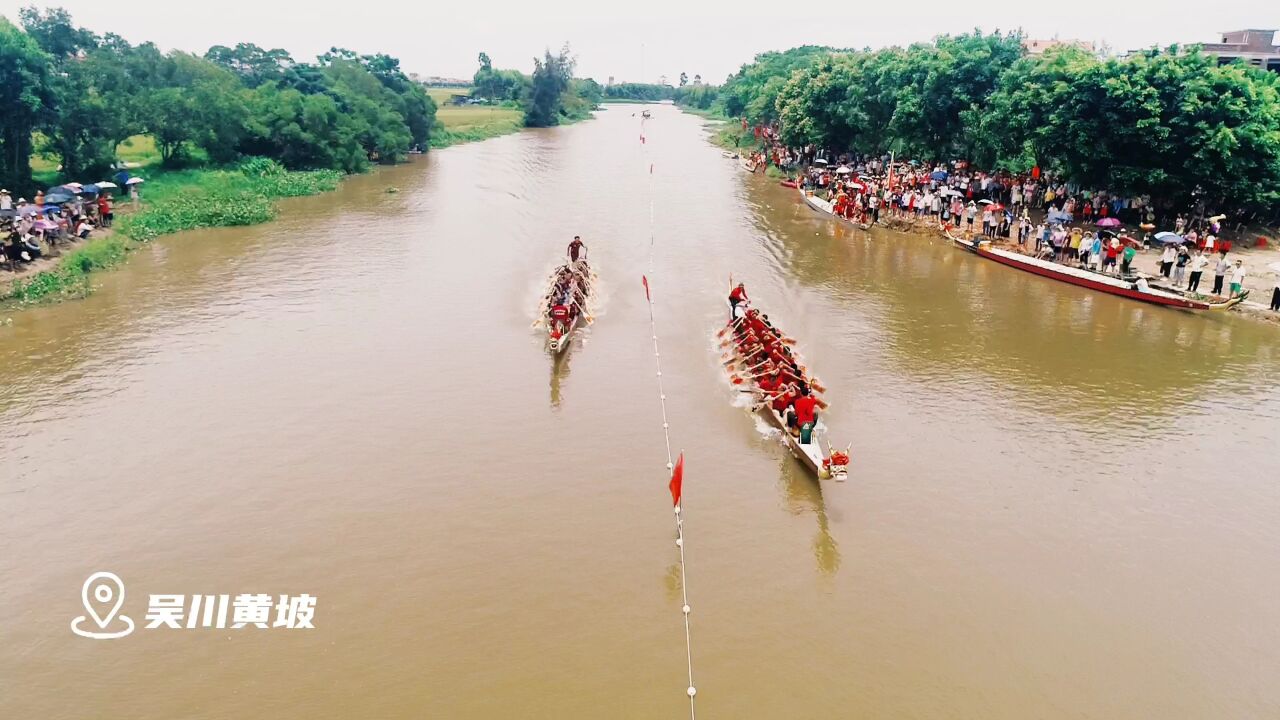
(576, 249)
(737, 295)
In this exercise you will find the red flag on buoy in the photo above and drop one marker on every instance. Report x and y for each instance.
(677, 479)
(645, 280)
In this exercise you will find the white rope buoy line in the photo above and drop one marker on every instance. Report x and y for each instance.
(674, 468)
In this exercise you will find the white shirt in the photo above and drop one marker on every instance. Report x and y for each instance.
(1198, 263)
(1169, 254)
(1237, 275)
(6, 202)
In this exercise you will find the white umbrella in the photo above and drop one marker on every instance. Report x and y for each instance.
(105, 184)
(844, 170)
(984, 202)
(820, 161)
(134, 181)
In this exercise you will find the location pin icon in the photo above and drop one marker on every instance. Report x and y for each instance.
(103, 594)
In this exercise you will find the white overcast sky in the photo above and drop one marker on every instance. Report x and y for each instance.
(638, 40)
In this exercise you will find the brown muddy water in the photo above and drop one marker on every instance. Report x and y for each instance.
(1062, 504)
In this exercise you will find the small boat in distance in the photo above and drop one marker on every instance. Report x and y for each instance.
(1136, 288)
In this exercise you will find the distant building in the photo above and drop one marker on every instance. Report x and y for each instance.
(1038, 47)
(1255, 47)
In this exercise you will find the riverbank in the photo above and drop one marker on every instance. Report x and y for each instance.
(170, 202)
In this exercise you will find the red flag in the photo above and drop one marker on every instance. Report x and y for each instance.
(645, 280)
(677, 479)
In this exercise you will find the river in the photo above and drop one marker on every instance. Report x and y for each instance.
(1061, 505)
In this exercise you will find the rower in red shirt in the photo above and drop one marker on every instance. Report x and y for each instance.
(783, 400)
(805, 414)
(560, 317)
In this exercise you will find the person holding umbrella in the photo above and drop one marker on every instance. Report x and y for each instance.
(1198, 264)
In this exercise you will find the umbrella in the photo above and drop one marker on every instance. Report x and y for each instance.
(47, 209)
(45, 225)
(939, 175)
(1216, 218)
(56, 198)
(105, 184)
(844, 170)
(134, 181)
(858, 184)
(72, 185)
(820, 161)
(1169, 238)
(952, 192)
(89, 190)
(1109, 222)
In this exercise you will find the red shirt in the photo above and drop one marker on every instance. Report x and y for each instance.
(738, 294)
(782, 402)
(806, 409)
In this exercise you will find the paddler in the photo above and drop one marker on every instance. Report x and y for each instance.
(576, 248)
(737, 295)
(804, 414)
(560, 315)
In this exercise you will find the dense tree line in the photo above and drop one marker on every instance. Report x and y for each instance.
(1171, 123)
(81, 94)
(549, 96)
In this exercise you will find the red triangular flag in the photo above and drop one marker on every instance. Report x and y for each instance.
(645, 280)
(677, 479)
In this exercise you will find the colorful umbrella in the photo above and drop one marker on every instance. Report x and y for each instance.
(134, 181)
(1109, 223)
(1169, 238)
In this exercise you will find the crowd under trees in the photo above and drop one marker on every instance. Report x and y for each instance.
(1169, 123)
(73, 95)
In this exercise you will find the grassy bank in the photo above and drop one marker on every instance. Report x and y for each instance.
(172, 202)
(470, 123)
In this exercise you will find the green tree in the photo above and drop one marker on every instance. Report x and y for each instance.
(551, 77)
(26, 96)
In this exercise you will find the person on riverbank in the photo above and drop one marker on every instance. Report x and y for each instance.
(105, 215)
(1126, 258)
(1198, 263)
(6, 200)
(1275, 295)
(1180, 265)
(1237, 278)
(1220, 273)
(1166, 260)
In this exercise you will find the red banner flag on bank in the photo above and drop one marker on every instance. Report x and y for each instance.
(645, 280)
(677, 479)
